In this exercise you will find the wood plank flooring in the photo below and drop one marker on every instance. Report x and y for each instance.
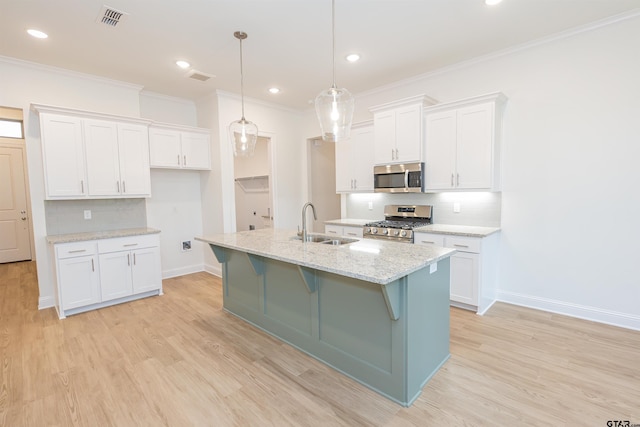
(179, 360)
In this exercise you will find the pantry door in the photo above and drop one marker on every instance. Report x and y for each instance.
(15, 242)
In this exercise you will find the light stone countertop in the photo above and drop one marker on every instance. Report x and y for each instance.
(457, 230)
(371, 260)
(349, 222)
(97, 235)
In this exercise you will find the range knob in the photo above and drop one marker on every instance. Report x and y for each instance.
(385, 231)
(403, 233)
(368, 230)
(374, 230)
(396, 232)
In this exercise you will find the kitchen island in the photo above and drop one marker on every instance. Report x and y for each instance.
(374, 310)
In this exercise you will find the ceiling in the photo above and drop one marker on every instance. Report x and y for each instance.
(289, 43)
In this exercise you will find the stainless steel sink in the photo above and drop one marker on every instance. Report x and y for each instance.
(326, 240)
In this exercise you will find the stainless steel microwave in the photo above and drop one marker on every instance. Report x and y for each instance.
(407, 178)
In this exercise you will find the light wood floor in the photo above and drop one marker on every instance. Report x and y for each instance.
(179, 360)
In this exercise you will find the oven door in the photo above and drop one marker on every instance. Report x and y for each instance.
(407, 178)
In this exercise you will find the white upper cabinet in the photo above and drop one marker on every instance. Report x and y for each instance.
(398, 130)
(63, 156)
(179, 147)
(462, 148)
(354, 160)
(92, 155)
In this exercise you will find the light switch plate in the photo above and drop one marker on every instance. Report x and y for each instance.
(87, 214)
(456, 207)
(370, 206)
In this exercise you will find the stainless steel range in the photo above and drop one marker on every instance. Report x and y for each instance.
(399, 222)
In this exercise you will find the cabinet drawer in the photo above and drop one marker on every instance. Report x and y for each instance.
(75, 249)
(464, 244)
(128, 243)
(335, 230)
(428, 239)
(353, 232)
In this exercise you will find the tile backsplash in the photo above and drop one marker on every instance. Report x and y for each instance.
(476, 208)
(67, 216)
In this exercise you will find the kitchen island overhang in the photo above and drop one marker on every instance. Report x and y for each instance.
(376, 311)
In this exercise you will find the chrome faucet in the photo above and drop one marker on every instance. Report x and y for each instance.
(304, 219)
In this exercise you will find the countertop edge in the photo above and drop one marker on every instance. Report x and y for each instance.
(99, 235)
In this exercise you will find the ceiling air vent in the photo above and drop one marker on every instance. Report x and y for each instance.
(199, 75)
(110, 16)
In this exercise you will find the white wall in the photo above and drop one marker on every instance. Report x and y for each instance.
(570, 203)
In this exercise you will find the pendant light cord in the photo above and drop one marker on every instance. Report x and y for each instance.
(241, 82)
(333, 41)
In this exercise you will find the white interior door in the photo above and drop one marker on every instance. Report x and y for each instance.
(14, 223)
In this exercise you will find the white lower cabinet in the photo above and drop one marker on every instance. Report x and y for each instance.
(473, 268)
(98, 273)
(343, 230)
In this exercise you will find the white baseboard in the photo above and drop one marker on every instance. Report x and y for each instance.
(46, 302)
(594, 314)
(175, 272)
(213, 269)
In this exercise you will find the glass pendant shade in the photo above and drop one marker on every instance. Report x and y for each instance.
(243, 135)
(334, 108)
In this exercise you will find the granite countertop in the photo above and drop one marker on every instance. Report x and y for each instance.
(349, 221)
(96, 235)
(372, 260)
(457, 230)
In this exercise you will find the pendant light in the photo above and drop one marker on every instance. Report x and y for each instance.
(334, 106)
(243, 133)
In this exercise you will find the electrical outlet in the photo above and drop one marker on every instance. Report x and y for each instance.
(87, 214)
(186, 245)
(370, 206)
(456, 207)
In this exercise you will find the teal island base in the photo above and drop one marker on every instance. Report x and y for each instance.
(390, 337)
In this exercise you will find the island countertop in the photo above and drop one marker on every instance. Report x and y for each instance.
(371, 260)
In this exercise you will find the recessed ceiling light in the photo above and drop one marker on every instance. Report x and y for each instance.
(353, 57)
(274, 90)
(491, 2)
(37, 34)
(183, 64)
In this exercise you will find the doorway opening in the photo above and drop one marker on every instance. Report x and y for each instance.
(322, 182)
(253, 188)
(16, 229)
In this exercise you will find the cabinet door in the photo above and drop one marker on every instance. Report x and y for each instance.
(164, 148)
(475, 147)
(408, 135)
(133, 148)
(344, 178)
(103, 165)
(78, 281)
(196, 150)
(146, 270)
(464, 278)
(115, 275)
(440, 150)
(362, 158)
(63, 156)
(384, 125)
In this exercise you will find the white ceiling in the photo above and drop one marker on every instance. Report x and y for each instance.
(289, 43)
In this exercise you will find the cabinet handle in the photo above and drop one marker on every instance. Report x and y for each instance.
(452, 180)
(93, 267)
(118, 185)
(178, 159)
(428, 242)
(393, 157)
(351, 234)
(460, 246)
(397, 156)
(185, 159)
(77, 251)
(134, 259)
(355, 184)
(130, 244)
(82, 186)
(124, 187)
(331, 232)
(128, 259)
(457, 180)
